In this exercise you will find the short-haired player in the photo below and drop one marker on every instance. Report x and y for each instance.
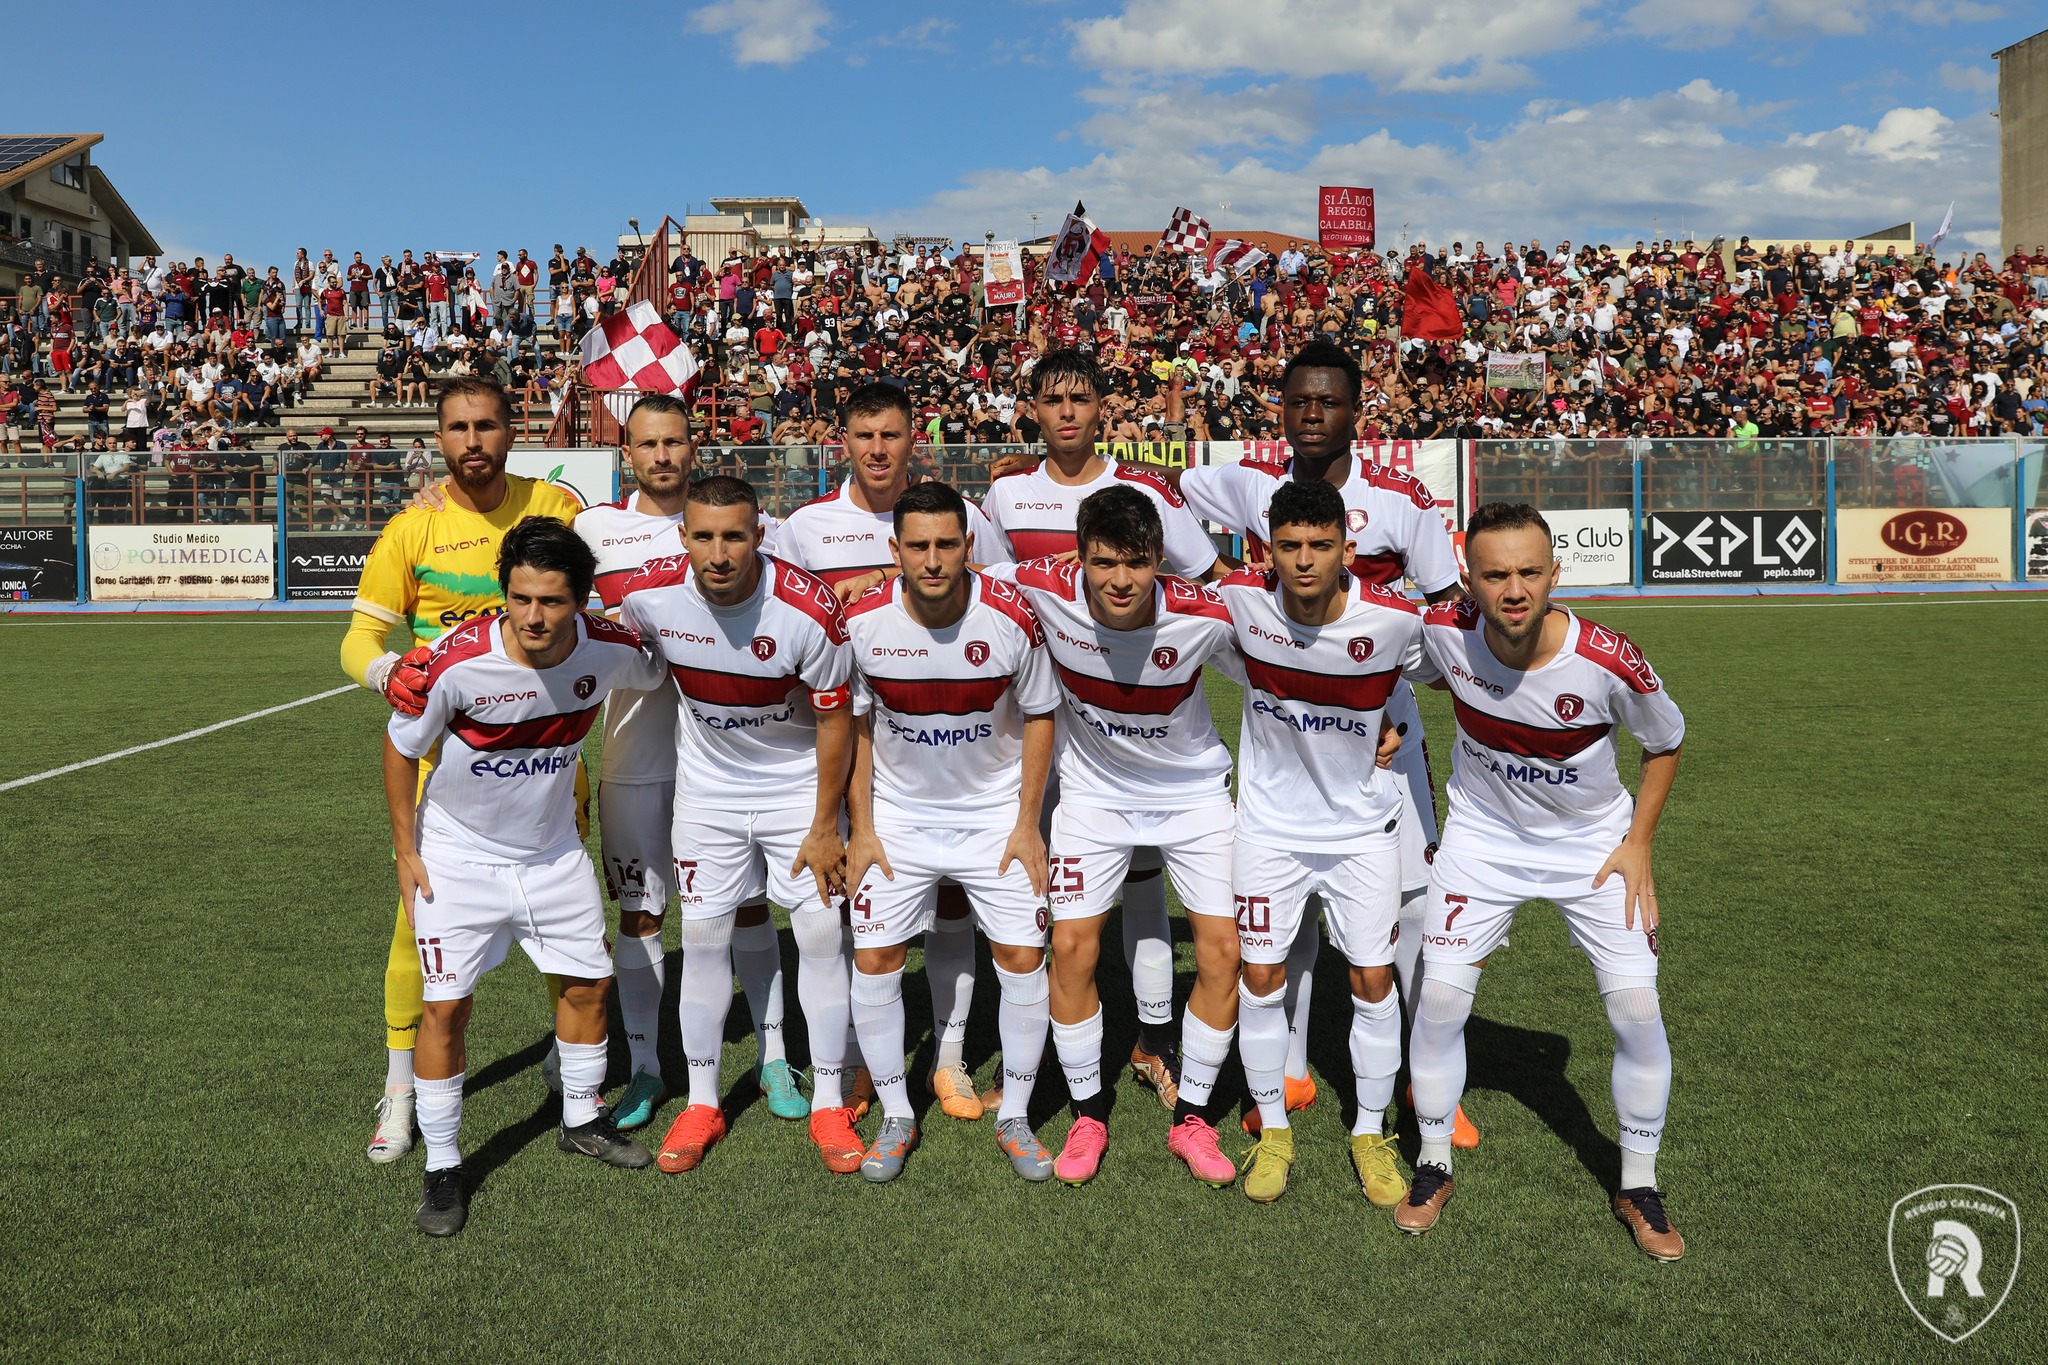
(953, 704)
(1539, 812)
(488, 851)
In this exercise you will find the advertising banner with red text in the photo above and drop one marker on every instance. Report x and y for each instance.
(1344, 217)
(1923, 544)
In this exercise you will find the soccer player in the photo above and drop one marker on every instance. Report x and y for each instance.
(1538, 811)
(1034, 513)
(844, 538)
(636, 790)
(1398, 533)
(430, 571)
(953, 699)
(487, 846)
(764, 746)
(1322, 651)
(1141, 766)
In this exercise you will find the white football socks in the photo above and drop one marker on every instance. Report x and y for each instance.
(1080, 1052)
(1021, 1024)
(1203, 1051)
(582, 1081)
(439, 1114)
(397, 1070)
(757, 959)
(878, 1017)
(1642, 1074)
(703, 998)
(1375, 1058)
(643, 971)
(821, 991)
(1301, 985)
(1262, 1046)
(1148, 949)
(1436, 1057)
(949, 970)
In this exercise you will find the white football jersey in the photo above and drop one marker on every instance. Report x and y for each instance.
(504, 785)
(1534, 782)
(836, 539)
(1392, 517)
(947, 707)
(639, 727)
(1135, 732)
(1307, 776)
(752, 679)
(1033, 517)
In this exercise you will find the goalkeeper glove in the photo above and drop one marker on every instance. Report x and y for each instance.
(401, 679)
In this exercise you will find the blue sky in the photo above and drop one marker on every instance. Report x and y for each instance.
(378, 126)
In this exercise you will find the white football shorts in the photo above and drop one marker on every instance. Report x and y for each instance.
(723, 860)
(1091, 852)
(550, 906)
(886, 911)
(1361, 900)
(1472, 905)
(633, 826)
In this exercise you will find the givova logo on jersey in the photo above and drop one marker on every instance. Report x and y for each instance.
(1955, 1253)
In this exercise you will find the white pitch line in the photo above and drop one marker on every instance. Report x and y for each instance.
(174, 739)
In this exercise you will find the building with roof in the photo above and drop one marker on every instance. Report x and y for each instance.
(2022, 144)
(57, 206)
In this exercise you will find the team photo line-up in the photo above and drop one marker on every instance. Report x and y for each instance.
(902, 717)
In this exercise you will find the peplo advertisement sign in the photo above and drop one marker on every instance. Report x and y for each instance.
(1735, 547)
(182, 563)
(39, 563)
(1923, 544)
(2037, 543)
(592, 475)
(1592, 545)
(325, 566)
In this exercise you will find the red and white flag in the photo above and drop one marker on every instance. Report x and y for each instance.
(1077, 250)
(1185, 234)
(634, 352)
(1238, 257)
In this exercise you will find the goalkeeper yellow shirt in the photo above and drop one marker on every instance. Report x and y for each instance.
(432, 570)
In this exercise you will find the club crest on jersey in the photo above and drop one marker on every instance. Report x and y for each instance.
(1166, 656)
(1361, 648)
(1570, 707)
(764, 648)
(977, 652)
(1354, 518)
(585, 685)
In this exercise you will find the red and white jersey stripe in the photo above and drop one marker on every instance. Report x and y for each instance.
(1307, 777)
(1388, 513)
(1534, 782)
(836, 538)
(1033, 517)
(947, 707)
(752, 678)
(1135, 732)
(504, 786)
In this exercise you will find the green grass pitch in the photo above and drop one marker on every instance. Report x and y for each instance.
(1853, 978)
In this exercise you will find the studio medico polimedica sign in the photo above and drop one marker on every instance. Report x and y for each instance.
(182, 563)
(1923, 544)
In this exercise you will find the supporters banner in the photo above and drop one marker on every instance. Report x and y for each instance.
(324, 566)
(1736, 547)
(1923, 544)
(2037, 543)
(39, 563)
(1592, 545)
(1158, 454)
(592, 475)
(183, 563)
(1434, 463)
(1344, 217)
(1516, 369)
(1002, 275)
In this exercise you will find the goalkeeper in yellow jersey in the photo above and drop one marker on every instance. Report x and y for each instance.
(431, 570)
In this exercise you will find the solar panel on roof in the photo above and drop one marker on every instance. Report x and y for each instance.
(19, 150)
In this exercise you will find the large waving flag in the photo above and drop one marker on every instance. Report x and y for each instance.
(634, 352)
(1948, 220)
(1077, 250)
(1428, 311)
(1185, 234)
(1240, 258)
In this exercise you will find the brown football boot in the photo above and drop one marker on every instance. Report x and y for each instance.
(1641, 1211)
(1418, 1213)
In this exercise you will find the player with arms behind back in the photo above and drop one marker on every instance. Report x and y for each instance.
(431, 570)
(488, 851)
(1538, 811)
(1322, 652)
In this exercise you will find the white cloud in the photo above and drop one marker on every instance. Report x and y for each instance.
(766, 32)
(1404, 44)
(1717, 21)
(1978, 80)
